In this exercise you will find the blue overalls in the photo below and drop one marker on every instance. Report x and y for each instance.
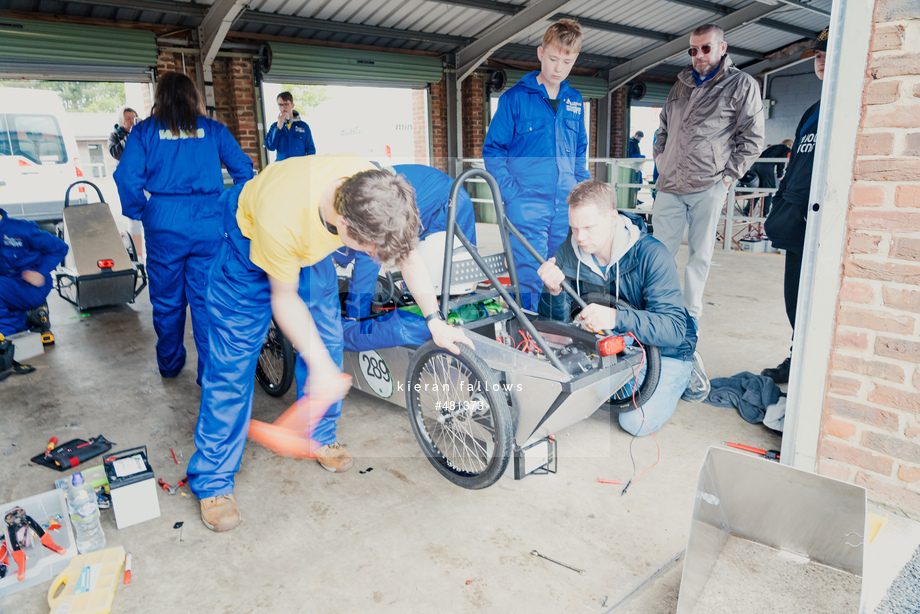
(24, 247)
(537, 156)
(239, 309)
(182, 223)
(319, 284)
(294, 139)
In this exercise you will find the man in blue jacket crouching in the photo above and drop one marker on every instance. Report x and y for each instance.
(612, 252)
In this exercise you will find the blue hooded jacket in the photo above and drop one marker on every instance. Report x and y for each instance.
(646, 277)
(164, 165)
(293, 140)
(534, 154)
(26, 247)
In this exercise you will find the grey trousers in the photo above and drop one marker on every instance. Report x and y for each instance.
(671, 216)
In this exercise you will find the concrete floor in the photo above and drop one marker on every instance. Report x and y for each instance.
(400, 537)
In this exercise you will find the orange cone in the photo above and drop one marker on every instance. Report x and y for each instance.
(291, 434)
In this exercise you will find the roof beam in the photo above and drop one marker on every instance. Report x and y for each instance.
(706, 5)
(486, 5)
(472, 55)
(636, 66)
(786, 27)
(805, 7)
(642, 33)
(215, 25)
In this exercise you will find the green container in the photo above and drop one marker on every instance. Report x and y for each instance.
(627, 197)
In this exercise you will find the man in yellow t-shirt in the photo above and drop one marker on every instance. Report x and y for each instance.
(293, 215)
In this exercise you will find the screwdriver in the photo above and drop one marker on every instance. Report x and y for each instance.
(52, 443)
(768, 454)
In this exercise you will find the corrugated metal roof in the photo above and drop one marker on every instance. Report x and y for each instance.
(450, 24)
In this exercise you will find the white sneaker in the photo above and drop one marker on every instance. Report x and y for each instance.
(698, 388)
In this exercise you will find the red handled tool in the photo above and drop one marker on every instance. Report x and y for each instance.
(173, 489)
(768, 454)
(52, 444)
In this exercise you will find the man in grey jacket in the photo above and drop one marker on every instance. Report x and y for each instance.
(711, 132)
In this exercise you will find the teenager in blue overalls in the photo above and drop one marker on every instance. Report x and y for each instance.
(292, 216)
(536, 147)
(290, 136)
(176, 156)
(319, 284)
(28, 255)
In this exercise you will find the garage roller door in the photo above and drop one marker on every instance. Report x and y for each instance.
(49, 50)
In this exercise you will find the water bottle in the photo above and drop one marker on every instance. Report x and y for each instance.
(84, 514)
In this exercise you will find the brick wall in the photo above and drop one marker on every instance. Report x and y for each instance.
(871, 418)
(618, 123)
(234, 95)
(439, 124)
(596, 107)
(474, 101)
(420, 126)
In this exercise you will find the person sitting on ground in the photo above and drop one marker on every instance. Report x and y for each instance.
(28, 255)
(612, 252)
(294, 214)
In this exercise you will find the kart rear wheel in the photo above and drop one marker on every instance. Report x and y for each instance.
(621, 402)
(459, 414)
(275, 369)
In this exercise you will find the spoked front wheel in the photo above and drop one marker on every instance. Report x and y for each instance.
(460, 416)
(275, 370)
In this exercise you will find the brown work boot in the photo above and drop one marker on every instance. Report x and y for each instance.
(220, 513)
(335, 458)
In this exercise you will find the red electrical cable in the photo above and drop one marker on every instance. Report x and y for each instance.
(650, 432)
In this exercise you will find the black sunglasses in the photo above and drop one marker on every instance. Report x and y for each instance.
(705, 49)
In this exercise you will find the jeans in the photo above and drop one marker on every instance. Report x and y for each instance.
(672, 214)
(675, 375)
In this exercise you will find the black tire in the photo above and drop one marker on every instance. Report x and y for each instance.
(619, 403)
(472, 460)
(275, 369)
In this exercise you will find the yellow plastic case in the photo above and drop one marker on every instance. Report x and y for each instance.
(89, 583)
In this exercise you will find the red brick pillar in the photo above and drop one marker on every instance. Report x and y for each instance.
(439, 124)
(420, 126)
(619, 115)
(473, 100)
(870, 430)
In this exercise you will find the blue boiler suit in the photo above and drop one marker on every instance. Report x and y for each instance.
(24, 247)
(182, 222)
(319, 284)
(294, 139)
(537, 156)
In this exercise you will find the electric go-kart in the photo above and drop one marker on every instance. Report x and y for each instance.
(527, 378)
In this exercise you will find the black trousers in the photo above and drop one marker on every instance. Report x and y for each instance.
(791, 284)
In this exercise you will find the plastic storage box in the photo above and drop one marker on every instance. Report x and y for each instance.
(42, 565)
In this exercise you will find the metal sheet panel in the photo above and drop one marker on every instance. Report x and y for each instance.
(590, 87)
(775, 505)
(332, 65)
(25, 40)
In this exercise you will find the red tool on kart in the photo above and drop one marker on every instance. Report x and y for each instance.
(18, 525)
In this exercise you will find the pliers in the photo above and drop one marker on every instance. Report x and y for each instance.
(173, 489)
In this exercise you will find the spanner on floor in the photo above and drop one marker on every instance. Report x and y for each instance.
(580, 571)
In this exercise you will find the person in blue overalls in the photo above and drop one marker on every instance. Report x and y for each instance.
(319, 283)
(536, 147)
(176, 156)
(290, 136)
(28, 254)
